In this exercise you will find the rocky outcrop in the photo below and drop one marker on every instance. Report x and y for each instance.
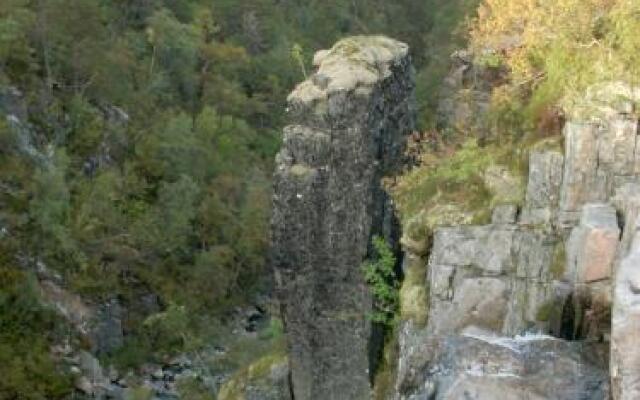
(625, 358)
(541, 293)
(477, 365)
(625, 321)
(347, 127)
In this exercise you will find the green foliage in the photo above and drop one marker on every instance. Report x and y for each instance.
(545, 312)
(26, 330)
(558, 49)
(144, 163)
(298, 56)
(141, 393)
(168, 330)
(452, 179)
(444, 24)
(49, 209)
(380, 275)
(559, 266)
(275, 330)
(194, 389)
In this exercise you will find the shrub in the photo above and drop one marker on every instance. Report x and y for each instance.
(27, 369)
(450, 177)
(380, 274)
(556, 49)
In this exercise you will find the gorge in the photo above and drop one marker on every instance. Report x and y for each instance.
(197, 203)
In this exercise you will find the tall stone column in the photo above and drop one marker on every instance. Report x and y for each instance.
(347, 130)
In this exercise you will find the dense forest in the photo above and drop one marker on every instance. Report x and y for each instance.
(137, 148)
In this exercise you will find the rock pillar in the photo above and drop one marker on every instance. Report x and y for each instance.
(347, 127)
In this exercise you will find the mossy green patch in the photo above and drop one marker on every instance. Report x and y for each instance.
(414, 296)
(300, 170)
(140, 393)
(384, 381)
(559, 265)
(27, 331)
(258, 371)
(544, 312)
(452, 187)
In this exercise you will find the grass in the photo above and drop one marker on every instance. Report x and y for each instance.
(414, 294)
(450, 187)
(256, 373)
(27, 330)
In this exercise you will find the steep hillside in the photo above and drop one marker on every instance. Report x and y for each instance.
(137, 143)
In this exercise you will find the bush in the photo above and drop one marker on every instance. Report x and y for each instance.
(381, 276)
(451, 177)
(556, 49)
(27, 369)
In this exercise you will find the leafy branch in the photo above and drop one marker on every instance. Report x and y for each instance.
(380, 275)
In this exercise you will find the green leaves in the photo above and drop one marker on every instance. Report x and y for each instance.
(163, 118)
(50, 207)
(382, 279)
(28, 371)
(298, 56)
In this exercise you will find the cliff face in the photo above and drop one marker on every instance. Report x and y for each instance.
(531, 305)
(347, 128)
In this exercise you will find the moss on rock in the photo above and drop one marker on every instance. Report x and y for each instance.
(414, 296)
(263, 374)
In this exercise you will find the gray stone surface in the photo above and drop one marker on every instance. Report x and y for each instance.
(601, 156)
(487, 248)
(543, 187)
(549, 269)
(504, 214)
(498, 277)
(348, 123)
(479, 366)
(107, 334)
(625, 341)
(593, 244)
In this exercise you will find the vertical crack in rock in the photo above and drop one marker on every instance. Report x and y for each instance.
(347, 128)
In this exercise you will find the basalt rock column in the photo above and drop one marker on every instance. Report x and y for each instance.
(347, 128)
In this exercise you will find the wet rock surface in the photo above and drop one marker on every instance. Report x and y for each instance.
(477, 365)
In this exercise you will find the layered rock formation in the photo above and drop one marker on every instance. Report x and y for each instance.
(521, 308)
(347, 128)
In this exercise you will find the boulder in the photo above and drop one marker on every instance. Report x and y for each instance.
(480, 366)
(107, 334)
